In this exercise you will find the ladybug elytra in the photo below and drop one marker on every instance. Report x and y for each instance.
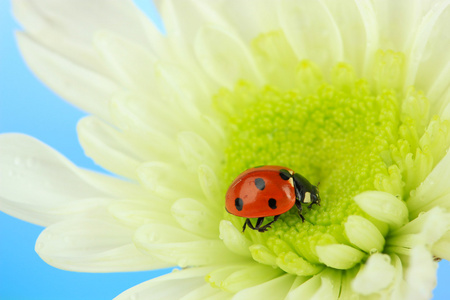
(267, 191)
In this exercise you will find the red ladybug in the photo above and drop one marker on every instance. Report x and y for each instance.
(268, 191)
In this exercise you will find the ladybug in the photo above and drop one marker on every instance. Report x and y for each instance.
(266, 191)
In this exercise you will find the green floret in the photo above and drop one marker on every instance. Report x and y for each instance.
(344, 136)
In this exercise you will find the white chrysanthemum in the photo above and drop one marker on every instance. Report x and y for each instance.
(354, 94)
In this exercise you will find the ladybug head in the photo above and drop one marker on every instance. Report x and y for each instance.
(315, 197)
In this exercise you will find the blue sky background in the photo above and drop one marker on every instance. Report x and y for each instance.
(27, 106)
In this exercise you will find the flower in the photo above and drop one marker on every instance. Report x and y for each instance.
(354, 96)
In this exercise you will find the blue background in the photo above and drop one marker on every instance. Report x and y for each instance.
(29, 107)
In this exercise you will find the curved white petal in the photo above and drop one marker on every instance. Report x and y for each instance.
(398, 22)
(306, 289)
(376, 274)
(421, 275)
(41, 186)
(58, 45)
(172, 286)
(224, 57)
(363, 234)
(384, 207)
(107, 147)
(160, 177)
(441, 248)
(433, 27)
(129, 63)
(236, 277)
(433, 72)
(251, 20)
(84, 87)
(210, 185)
(234, 239)
(134, 213)
(433, 191)
(273, 289)
(183, 19)
(68, 28)
(93, 245)
(195, 150)
(180, 247)
(311, 31)
(427, 229)
(339, 256)
(196, 217)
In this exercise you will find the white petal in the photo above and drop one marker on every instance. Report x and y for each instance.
(234, 239)
(107, 147)
(59, 47)
(211, 187)
(236, 277)
(160, 177)
(376, 274)
(424, 52)
(329, 289)
(183, 19)
(274, 289)
(83, 87)
(358, 29)
(183, 22)
(305, 290)
(434, 190)
(195, 217)
(196, 151)
(339, 256)
(384, 207)
(181, 247)
(434, 69)
(363, 234)
(69, 27)
(224, 57)
(426, 229)
(421, 274)
(40, 185)
(311, 31)
(144, 123)
(206, 291)
(135, 213)
(46, 214)
(399, 288)
(251, 20)
(346, 286)
(292, 263)
(93, 245)
(263, 255)
(325, 285)
(441, 248)
(128, 63)
(172, 286)
(398, 22)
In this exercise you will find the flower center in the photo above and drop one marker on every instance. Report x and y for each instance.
(345, 135)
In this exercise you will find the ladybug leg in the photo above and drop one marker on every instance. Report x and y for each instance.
(258, 224)
(299, 206)
(267, 226)
(249, 223)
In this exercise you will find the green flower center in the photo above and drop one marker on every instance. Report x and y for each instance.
(346, 134)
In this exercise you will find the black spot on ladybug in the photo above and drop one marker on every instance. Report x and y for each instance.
(239, 203)
(260, 183)
(272, 203)
(284, 174)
